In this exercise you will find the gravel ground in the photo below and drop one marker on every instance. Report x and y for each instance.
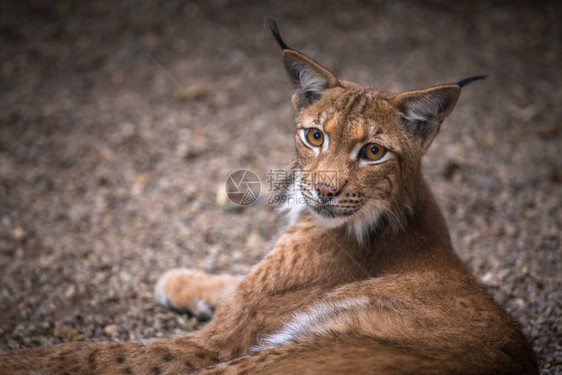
(110, 174)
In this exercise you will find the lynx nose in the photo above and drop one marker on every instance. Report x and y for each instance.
(325, 190)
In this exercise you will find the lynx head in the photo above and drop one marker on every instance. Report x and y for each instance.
(359, 148)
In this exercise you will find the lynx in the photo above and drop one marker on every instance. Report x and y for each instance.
(363, 281)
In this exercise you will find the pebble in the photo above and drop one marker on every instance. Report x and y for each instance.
(111, 330)
(19, 233)
(68, 334)
(192, 92)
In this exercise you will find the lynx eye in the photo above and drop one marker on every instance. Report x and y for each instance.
(315, 137)
(373, 152)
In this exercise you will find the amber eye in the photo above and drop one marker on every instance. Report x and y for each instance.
(373, 151)
(314, 137)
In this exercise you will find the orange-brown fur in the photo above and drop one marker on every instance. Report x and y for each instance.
(386, 297)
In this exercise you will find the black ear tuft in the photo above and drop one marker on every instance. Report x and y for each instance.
(309, 78)
(272, 24)
(466, 81)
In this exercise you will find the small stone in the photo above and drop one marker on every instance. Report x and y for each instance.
(67, 333)
(450, 169)
(221, 199)
(254, 241)
(487, 278)
(193, 92)
(13, 344)
(555, 176)
(18, 233)
(495, 232)
(190, 192)
(111, 330)
(140, 181)
(70, 291)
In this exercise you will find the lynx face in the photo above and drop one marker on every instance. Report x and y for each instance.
(353, 157)
(358, 147)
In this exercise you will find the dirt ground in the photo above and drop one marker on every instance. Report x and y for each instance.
(110, 174)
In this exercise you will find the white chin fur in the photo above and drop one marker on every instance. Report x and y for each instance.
(358, 224)
(363, 222)
(330, 222)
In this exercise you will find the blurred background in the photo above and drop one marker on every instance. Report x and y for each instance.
(121, 120)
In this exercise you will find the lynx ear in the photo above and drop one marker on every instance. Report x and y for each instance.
(309, 78)
(423, 111)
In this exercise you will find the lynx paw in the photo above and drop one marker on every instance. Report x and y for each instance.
(194, 291)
